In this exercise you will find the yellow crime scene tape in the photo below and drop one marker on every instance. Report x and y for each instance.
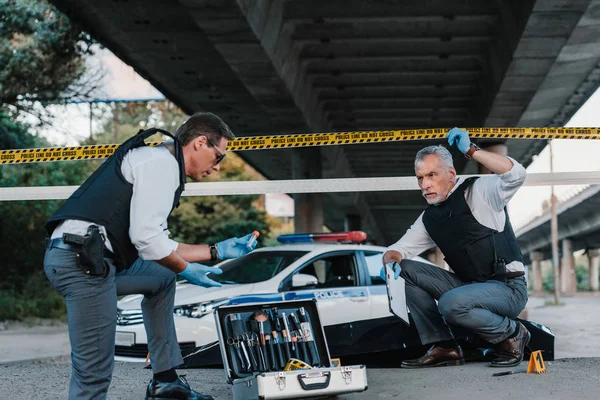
(20, 156)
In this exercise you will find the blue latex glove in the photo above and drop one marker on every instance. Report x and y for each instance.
(234, 247)
(394, 267)
(461, 138)
(196, 273)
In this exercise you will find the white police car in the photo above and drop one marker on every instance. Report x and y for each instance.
(342, 277)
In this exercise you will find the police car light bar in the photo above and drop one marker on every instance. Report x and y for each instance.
(341, 237)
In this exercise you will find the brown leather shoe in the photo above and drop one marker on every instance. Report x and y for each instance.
(511, 350)
(437, 356)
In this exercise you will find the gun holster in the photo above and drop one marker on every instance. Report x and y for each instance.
(90, 251)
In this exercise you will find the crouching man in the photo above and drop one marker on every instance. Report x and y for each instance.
(467, 220)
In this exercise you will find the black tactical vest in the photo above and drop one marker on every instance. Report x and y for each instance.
(467, 245)
(104, 199)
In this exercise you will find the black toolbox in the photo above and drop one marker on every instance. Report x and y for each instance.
(259, 340)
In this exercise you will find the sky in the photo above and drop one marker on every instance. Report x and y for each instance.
(121, 82)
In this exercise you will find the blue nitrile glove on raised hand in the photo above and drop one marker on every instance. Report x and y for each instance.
(394, 267)
(461, 138)
(196, 274)
(234, 247)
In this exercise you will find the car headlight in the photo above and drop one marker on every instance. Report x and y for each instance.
(198, 310)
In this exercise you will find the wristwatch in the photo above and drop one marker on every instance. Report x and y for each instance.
(472, 150)
(214, 255)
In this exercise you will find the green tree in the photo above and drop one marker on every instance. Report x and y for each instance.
(24, 290)
(42, 59)
(21, 232)
(41, 54)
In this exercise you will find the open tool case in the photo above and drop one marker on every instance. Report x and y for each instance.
(258, 340)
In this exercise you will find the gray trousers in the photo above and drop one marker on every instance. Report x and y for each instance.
(487, 308)
(92, 316)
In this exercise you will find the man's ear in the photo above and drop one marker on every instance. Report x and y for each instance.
(452, 173)
(199, 141)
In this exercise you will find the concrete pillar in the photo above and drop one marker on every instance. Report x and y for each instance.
(499, 148)
(536, 262)
(352, 222)
(594, 267)
(308, 207)
(568, 279)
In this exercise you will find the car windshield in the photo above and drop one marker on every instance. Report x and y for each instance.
(257, 266)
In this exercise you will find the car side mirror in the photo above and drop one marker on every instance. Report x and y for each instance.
(303, 280)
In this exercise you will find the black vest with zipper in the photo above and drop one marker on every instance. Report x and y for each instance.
(105, 197)
(467, 245)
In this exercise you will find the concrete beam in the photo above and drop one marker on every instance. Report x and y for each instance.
(574, 74)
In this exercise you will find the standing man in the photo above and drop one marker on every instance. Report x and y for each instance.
(467, 220)
(110, 238)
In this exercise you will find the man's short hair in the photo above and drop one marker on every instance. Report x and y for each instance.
(203, 124)
(438, 150)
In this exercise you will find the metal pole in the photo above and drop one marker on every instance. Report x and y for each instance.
(116, 122)
(554, 234)
(91, 119)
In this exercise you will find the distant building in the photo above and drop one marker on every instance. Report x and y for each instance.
(279, 205)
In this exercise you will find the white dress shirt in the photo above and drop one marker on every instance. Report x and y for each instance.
(486, 198)
(154, 174)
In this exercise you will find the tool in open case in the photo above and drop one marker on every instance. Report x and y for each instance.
(251, 339)
(303, 351)
(275, 330)
(286, 337)
(257, 321)
(237, 341)
(292, 338)
(309, 337)
(270, 342)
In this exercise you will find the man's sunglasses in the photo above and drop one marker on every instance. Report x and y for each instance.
(220, 154)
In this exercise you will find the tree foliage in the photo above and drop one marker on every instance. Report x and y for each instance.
(22, 230)
(41, 53)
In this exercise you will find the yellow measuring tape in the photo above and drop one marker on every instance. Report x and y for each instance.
(307, 140)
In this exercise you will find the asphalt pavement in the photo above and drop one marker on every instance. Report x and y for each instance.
(564, 379)
(34, 364)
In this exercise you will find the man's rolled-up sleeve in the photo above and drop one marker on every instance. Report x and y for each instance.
(498, 190)
(154, 185)
(415, 241)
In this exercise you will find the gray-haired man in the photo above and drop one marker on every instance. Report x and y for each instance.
(467, 220)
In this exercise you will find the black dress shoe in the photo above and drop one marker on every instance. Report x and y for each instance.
(511, 350)
(179, 390)
(437, 356)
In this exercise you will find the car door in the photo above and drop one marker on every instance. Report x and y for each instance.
(340, 299)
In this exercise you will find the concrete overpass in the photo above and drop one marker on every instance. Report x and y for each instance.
(578, 229)
(289, 66)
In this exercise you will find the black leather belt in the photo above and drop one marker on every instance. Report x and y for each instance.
(59, 244)
(515, 274)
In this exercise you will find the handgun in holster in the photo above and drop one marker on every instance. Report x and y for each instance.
(90, 251)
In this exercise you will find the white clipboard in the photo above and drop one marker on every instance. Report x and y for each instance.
(396, 295)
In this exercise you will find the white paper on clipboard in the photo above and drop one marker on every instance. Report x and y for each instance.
(396, 295)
